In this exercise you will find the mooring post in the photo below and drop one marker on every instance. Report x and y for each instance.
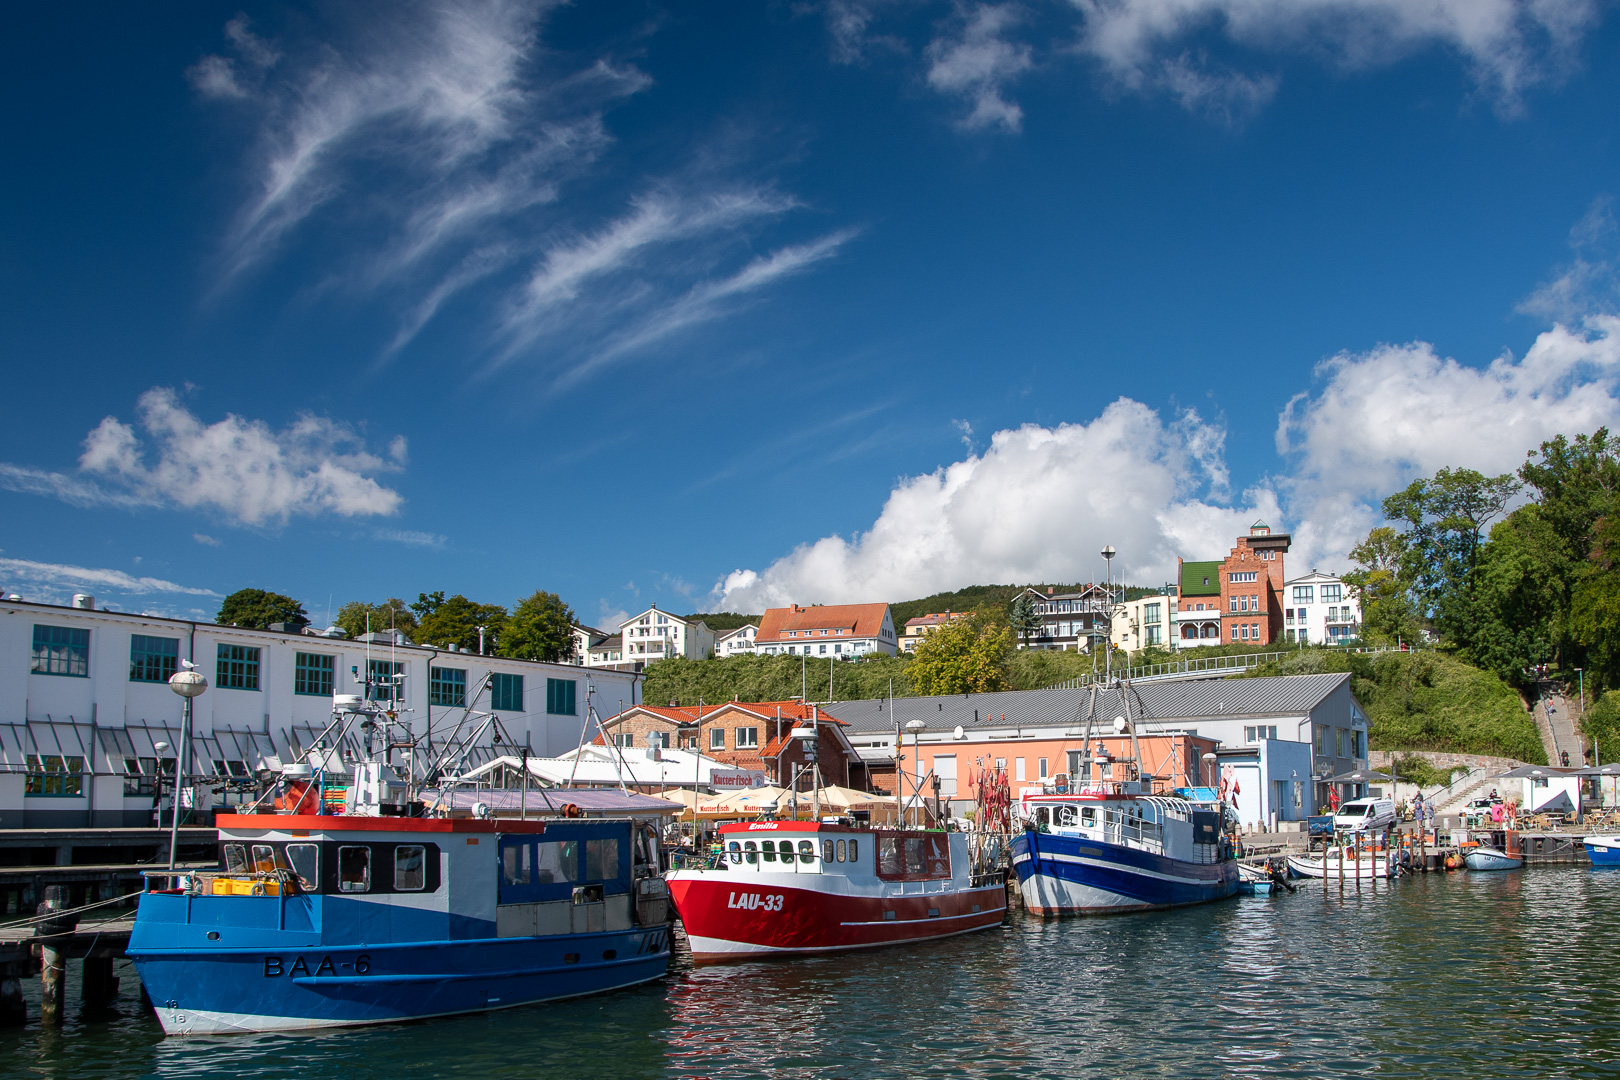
(13, 1012)
(100, 987)
(53, 960)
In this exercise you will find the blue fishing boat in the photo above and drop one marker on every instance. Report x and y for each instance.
(1603, 850)
(368, 909)
(1114, 845)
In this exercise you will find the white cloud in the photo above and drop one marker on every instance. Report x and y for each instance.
(1508, 45)
(1035, 506)
(27, 577)
(1040, 501)
(978, 62)
(237, 467)
(1591, 283)
(413, 538)
(1384, 417)
(609, 616)
(207, 541)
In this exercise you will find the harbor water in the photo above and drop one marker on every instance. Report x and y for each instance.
(1452, 975)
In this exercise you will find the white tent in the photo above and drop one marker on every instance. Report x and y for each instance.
(603, 766)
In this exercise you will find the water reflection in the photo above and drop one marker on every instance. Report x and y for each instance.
(1457, 975)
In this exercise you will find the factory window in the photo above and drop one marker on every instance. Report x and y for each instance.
(383, 677)
(237, 667)
(312, 674)
(354, 868)
(717, 738)
(153, 659)
(506, 692)
(447, 686)
(54, 774)
(61, 650)
(560, 697)
(410, 868)
(747, 738)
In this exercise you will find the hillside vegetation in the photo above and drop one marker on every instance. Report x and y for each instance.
(1428, 700)
(1602, 722)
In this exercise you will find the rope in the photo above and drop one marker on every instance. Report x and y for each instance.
(55, 914)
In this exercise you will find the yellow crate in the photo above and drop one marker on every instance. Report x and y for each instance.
(245, 887)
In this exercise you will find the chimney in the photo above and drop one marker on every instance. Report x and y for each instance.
(84, 601)
(1049, 590)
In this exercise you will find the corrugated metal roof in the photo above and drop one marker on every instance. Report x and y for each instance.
(1188, 700)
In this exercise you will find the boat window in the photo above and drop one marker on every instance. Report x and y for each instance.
(1065, 817)
(601, 859)
(264, 859)
(840, 851)
(854, 850)
(235, 859)
(557, 861)
(515, 864)
(736, 852)
(410, 868)
(1088, 816)
(1043, 816)
(807, 852)
(826, 851)
(306, 863)
(749, 853)
(354, 868)
(769, 848)
(914, 854)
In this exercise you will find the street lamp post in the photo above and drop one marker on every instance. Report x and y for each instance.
(188, 683)
(1209, 763)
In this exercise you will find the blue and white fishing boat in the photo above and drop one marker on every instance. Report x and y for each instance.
(1115, 846)
(321, 919)
(1603, 850)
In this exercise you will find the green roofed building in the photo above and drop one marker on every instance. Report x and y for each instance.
(1201, 578)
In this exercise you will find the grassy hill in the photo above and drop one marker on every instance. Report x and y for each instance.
(1428, 700)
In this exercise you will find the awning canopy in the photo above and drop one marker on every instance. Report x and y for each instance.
(1536, 772)
(1361, 776)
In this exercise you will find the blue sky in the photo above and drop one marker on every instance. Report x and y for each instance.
(728, 305)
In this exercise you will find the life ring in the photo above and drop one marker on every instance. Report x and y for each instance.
(570, 810)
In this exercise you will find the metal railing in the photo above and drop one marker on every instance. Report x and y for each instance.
(1206, 667)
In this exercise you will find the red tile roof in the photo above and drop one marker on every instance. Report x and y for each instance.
(856, 620)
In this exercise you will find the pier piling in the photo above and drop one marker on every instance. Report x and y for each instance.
(52, 957)
(13, 1012)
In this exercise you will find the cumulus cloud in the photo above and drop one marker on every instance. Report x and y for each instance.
(1035, 506)
(1383, 417)
(977, 62)
(1591, 282)
(1508, 45)
(413, 538)
(28, 577)
(236, 467)
(1039, 501)
(207, 541)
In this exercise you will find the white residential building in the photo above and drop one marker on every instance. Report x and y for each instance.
(736, 642)
(655, 635)
(84, 705)
(1320, 609)
(1146, 622)
(843, 631)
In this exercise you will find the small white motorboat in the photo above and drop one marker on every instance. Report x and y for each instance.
(1486, 857)
(1345, 862)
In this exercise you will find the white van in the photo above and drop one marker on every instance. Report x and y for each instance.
(1365, 815)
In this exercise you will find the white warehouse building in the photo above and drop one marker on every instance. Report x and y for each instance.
(84, 703)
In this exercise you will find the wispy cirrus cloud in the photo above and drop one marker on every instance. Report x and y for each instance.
(239, 468)
(25, 573)
(413, 538)
(449, 142)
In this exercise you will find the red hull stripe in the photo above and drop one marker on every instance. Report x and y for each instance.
(746, 914)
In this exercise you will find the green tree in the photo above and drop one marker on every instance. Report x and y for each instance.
(257, 609)
(1389, 613)
(1445, 518)
(391, 613)
(964, 656)
(1024, 617)
(540, 628)
(456, 621)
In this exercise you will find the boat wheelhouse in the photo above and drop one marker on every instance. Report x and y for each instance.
(1100, 852)
(319, 920)
(797, 887)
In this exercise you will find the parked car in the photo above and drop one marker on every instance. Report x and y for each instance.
(1365, 815)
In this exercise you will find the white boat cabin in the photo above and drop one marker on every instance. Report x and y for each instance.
(1160, 825)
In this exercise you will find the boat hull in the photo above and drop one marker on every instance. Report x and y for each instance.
(729, 917)
(1071, 875)
(1603, 850)
(1365, 868)
(1488, 858)
(287, 981)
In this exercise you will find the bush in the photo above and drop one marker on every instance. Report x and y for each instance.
(1602, 722)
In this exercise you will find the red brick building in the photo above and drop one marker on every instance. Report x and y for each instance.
(1251, 580)
(751, 735)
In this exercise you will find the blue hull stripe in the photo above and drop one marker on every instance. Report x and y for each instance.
(1140, 878)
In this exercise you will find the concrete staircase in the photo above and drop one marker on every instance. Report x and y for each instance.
(1556, 722)
(1477, 782)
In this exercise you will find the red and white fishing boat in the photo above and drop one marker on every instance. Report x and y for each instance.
(787, 887)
